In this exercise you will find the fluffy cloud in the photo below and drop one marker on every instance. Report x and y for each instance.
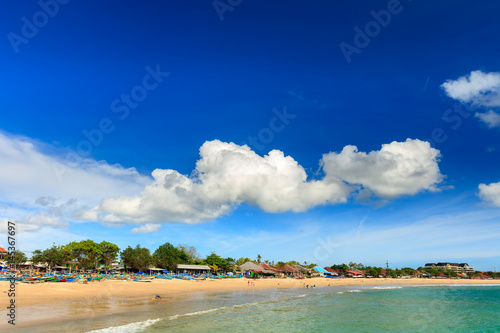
(478, 88)
(228, 174)
(33, 180)
(399, 168)
(146, 228)
(35, 221)
(28, 173)
(490, 118)
(490, 193)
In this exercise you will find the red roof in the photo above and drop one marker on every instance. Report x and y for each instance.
(2, 250)
(289, 269)
(331, 270)
(356, 272)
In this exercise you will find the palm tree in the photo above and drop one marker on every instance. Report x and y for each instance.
(258, 258)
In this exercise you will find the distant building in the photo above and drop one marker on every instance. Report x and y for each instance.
(451, 266)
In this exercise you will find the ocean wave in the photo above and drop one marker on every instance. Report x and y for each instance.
(129, 328)
(247, 304)
(196, 313)
(384, 288)
(350, 291)
(473, 285)
(202, 312)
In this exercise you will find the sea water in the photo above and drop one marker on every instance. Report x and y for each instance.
(323, 309)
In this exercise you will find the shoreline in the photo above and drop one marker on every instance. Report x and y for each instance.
(46, 303)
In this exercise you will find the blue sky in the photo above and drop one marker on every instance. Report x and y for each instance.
(127, 121)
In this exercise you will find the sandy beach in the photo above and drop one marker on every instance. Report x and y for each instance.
(50, 293)
(113, 296)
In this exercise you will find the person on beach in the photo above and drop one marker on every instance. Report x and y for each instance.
(158, 297)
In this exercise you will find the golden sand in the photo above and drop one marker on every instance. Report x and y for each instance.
(53, 292)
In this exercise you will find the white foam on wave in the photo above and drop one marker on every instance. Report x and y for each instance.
(129, 328)
(349, 291)
(473, 285)
(385, 288)
(197, 313)
(246, 304)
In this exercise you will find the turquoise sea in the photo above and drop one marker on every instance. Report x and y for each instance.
(327, 309)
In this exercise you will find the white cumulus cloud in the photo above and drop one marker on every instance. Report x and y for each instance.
(146, 228)
(490, 118)
(399, 168)
(228, 174)
(490, 193)
(33, 180)
(477, 88)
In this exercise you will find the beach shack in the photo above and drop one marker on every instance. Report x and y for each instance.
(254, 270)
(331, 271)
(3, 253)
(289, 270)
(192, 269)
(322, 272)
(355, 273)
(270, 269)
(300, 269)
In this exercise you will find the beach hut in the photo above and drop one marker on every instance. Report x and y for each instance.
(255, 269)
(331, 271)
(355, 273)
(268, 269)
(322, 272)
(289, 270)
(192, 269)
(154, 270)
(300, 269)
(60, 269)
(250, 266)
